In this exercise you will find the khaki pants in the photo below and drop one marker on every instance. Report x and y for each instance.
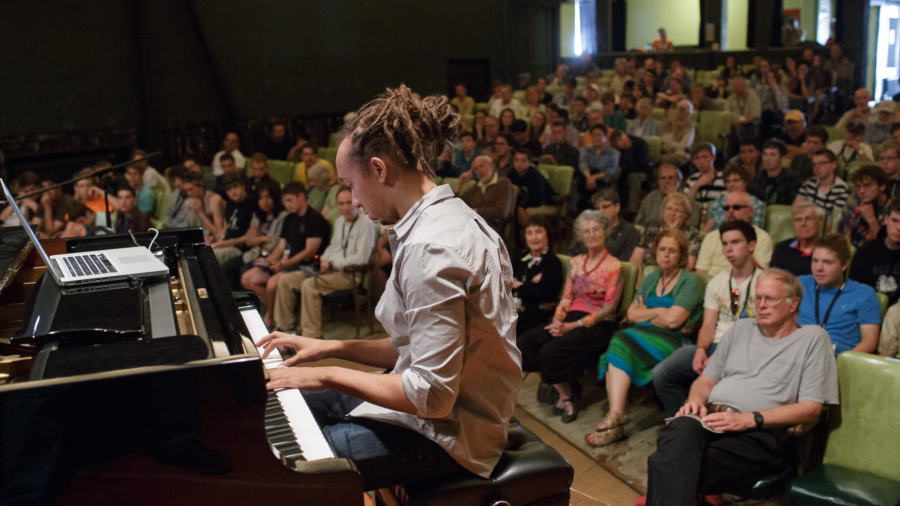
(225, 254)
(311, 293)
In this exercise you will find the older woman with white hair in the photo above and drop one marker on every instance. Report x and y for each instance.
(585, 318)
(645, 124)
(675, 213)
(677, 134)
(795, 254)
(322, 195)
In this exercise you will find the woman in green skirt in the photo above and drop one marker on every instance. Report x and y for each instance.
(669, 300)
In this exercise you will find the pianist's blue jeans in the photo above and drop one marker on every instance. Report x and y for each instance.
(385, 454)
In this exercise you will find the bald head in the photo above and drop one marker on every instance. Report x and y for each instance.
(483, 166)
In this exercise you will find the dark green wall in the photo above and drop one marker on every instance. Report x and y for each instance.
(79, 65)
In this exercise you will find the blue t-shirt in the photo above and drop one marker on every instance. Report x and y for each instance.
(146, 200)
(857, 305)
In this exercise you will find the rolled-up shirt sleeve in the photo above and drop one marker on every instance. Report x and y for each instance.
(435, 284)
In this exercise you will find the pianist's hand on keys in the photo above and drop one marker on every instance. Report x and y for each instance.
(308, 350)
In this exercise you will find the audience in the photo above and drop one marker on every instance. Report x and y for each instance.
(699, 99)
(537, 275)
(238, 216)
(559, 150)
(861, 113)
(889, 341)
(644, 124)
(675, 214)
(565, 98)
(228, 167)
(668, 182)
(794, 134)
(854, 324)
(705, 185)
(491, 196)
(278, 146)
(578, 114)
(747, 158)
(583, 321)
(464, 104)
(767, 374)
(146, 199)
(866, 209)
(309, 153)
(666, 307)
(677, 134)
(179, 214)
(230, 146)
(774, 184)
(672, 96)
(730, 296)
(879, 130)
(572, 136)
(795, 254)
(623, 236)
(634, 160)
(745, 109)
(519, 131)
(152, 178)
(877, 263)
(128, 217)
(802, 162)
(889, 161)
(711, 260)
(736, 180)
(597, 166)
(261, 179)
(56, 207)
(505, 101)
(612, 117)
(321, 194)
(28, 182)
(827, 191)
(207, 206)
(851, 148)
(535, 192)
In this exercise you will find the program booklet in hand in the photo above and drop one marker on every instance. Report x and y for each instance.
(694, 417)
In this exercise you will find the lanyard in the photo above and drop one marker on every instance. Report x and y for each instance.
(345, 236)
(736, 296)
(828, 311)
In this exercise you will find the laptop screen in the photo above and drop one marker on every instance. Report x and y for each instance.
(34, 239)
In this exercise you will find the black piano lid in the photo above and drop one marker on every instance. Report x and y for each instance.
(14, 248)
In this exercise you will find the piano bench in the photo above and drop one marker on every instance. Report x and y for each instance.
(529, 473)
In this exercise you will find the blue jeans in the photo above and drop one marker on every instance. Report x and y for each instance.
(385, 454)
(672, 378)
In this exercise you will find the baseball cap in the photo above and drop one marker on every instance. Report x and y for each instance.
(793, 115)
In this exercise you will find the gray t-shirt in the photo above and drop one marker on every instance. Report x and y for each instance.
(753, 372)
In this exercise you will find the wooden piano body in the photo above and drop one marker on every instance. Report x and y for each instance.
(84, 418)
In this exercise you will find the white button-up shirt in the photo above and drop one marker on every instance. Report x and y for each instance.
(449, 310)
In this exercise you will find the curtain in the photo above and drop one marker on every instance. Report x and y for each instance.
(587, 11)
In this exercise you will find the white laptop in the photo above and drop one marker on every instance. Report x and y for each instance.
(95, 266)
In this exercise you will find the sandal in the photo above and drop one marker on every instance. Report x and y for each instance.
(605, 437)
(612, 420)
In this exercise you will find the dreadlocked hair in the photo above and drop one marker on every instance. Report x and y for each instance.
(407, 129)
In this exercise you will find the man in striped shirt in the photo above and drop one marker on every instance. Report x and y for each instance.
(825, 190)
(705, 185)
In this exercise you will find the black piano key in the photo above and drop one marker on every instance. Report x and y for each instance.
(279, 432)
(282, 439)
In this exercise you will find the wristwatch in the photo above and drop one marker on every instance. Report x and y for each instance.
(758, 418)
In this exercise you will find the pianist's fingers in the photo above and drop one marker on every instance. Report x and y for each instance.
(304, 378)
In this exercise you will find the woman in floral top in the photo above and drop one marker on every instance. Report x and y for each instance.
(584, 320)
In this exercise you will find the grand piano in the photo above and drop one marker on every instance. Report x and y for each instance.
(148, 392)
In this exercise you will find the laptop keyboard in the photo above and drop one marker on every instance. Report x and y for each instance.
(87, 265)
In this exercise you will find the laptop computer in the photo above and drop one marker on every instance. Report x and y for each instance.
(96, 266)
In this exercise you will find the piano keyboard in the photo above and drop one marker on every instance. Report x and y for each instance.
(292, 431)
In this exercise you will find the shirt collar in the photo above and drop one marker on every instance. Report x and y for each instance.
(493, 180)
(403, 227)
(796, 246)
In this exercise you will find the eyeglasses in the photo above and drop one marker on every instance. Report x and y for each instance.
(736, 207)
(770, 301)
(806, 219)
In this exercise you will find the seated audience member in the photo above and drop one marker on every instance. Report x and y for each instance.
(88, 193)
(622, 238)
(795, 254)
(699, 99)
(541, 87)
(304, 235)
(351, 244)
(490, 198)
(877, 263)
(506, 102)
(895, 131)
(730, 296)
(321, 194)
(879, 130)
(128, 217)
(208, 179)
(179, 214)
(491, 131)
(745, 109)
(861, 112)
(594, 117)
(56, 207)
(560, 75)
(679, 73)
(673, 94)
(774, 184)
(262, 238)
(592, 94)
(146, 199)
(611, 117)
(28, 182)
(230, 146)
(866, 209)
(668, 303)
(824, 189)
(535, 191)
(773, 98)
(736, 180)
(644, 124)
(207, 206)
(537, 128)
(238, 218)
(617, 83)
(801, 89)
(578, 114)
(802, 163)
(855, 324)
(711, 260)
(559, 149)
(502, 154)
(81, 222)
(889, 341)
(675, 214)
(228, 167)
(677, 134)
(584, 319)
(519, 131)
(573, 137)
(661, 44)
(152, 178)
(506, 120)
(774, 374)
(597, 167)
(259, 164)
(718, 89)
(668, 182)
(705, 185)
(626, 105)
(851, 148)
(565, 98)
(462, 160)
(634, 160)
(794, 134)
(747, 158)
(464, 103)
(278, 145)
(537, 275)
(889, 161)
(309, 154)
